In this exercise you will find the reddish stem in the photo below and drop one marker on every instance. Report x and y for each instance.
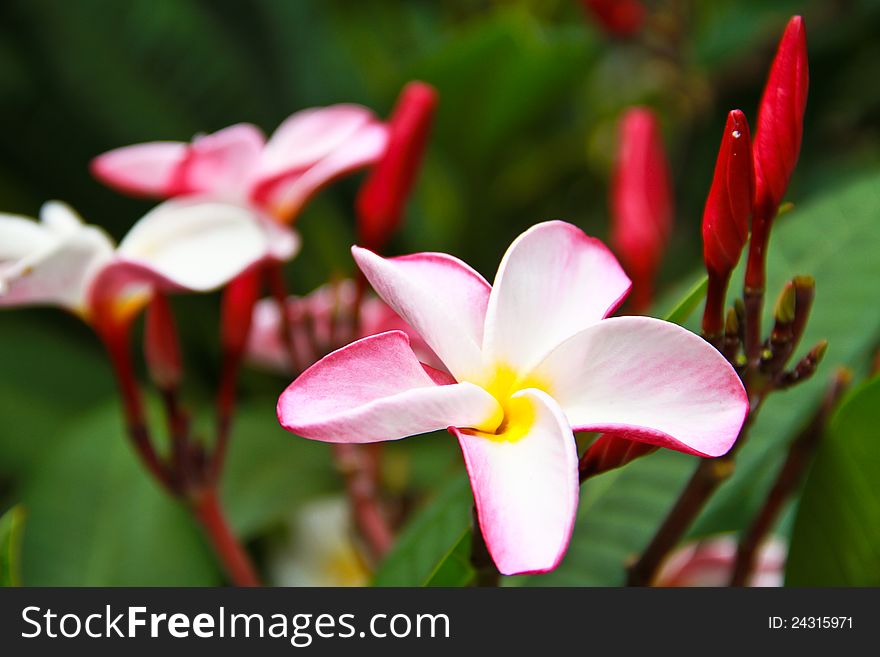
(116, 341)
(207, 510)
(278, 290)
(360, 483)
(790, 475)
(713, 314)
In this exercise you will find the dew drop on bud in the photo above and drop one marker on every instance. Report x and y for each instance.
(736, 134)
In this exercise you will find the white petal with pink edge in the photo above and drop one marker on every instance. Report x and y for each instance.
(52, 262)
(150, 169)
(651, 379)
(375, 389)
(441, 297)
(553, 281)
(201, 244)
(526, 490)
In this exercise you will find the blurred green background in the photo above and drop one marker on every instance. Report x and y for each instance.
(530, 92)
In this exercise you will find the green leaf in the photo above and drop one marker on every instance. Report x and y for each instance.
(455, 569)
(11, 528)
(49, 373)
(96, 519)
(430, 538)
(836, 537)
(682, 310)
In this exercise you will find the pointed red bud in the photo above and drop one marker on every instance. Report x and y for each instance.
(641, 201)
(382, 198)
(729, 204)
(237, 310)
(609, 452)
(161, 344)
(780, 122)
(620, 18)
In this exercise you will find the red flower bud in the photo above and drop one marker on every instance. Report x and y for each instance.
(383, 196)
(726, 216)
(161, 345)
(611, 451)
(641, 202)
(781, 120)
(620, 18)
(729, 204)
(237, 311)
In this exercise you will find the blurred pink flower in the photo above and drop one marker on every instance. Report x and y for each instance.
(309, 149)
(321, 322)
(710, 563)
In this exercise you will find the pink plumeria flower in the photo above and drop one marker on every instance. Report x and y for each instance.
(183, 245)
(307, 151)
(711, 562)
(530, 360)
(321, 322)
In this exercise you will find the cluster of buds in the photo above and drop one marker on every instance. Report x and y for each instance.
(748, 186)
(750, 181)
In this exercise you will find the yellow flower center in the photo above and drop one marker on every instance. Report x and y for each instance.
(516, 415)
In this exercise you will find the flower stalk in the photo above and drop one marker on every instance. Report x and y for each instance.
(790, 475)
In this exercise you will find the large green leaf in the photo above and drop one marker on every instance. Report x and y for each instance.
(836, 537)
(96, 519)
(11, 527)
(836, 239)
(47, 373)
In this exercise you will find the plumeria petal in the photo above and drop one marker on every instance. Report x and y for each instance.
(201, 245)
(150, 169)
(526, 489)
(375, 389)
(52, 262)
(21, 236)
(553, 282)
(60, 218)
(650, 379)
(288, 192)
(223, 162)
(441, 297)
(311, 135)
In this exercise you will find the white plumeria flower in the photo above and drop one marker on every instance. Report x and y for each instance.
(307, 151)
(530, 360)
(180, 245)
